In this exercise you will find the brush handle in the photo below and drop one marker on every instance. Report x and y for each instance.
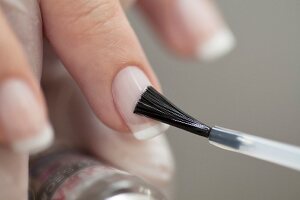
(257, 147)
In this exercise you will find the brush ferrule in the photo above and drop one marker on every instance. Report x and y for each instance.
(224, 138)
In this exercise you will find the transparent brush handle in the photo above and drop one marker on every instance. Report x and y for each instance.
(257, 147)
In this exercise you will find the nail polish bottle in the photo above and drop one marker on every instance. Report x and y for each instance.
(72, 175)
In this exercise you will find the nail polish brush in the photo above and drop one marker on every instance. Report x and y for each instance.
(154, 105)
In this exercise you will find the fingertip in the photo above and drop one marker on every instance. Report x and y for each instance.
(219, 45)
(37, 143)
(23, 114)
(23, 120)
(192, 28)
(150, 132)
(127, 88)
(111, 68)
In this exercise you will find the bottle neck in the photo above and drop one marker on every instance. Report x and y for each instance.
(120, 185)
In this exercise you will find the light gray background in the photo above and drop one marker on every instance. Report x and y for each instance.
(255, 89)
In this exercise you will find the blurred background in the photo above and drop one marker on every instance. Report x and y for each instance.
(255, 89)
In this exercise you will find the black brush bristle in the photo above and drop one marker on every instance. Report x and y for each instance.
(155, 106)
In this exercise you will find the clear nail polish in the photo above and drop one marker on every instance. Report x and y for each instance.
(69, 174)
(128, 85)
(24, 123)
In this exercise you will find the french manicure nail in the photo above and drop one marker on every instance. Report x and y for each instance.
(37, 143)
(23, 121)
(127, 88)
(213, 39)
(218, 45)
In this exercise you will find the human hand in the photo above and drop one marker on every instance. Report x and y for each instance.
(99, 49)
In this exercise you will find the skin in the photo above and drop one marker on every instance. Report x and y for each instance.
(86, 36)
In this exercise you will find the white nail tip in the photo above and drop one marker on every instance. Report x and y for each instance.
(219, 45)
(35, 144)
(150, 132)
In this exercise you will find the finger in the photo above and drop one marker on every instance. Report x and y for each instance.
(26, 22)
(127, 3)
(149, 159)
(14, 175)
(97, 45)
(24, 124)
(24, 18)
(190, 27)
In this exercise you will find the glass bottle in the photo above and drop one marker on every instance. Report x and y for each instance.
(71, 175)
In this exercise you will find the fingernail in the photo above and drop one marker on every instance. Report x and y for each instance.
(150, 159)
(127, 88)
(213, 39)
(158, 168)
(220, 44)
(23, 120)
(37, 143)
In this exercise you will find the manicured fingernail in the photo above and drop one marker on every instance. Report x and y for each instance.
(220, 44)
(213, 39)
(23, 120)
(37, 143)
(127, 88)
(158, 168)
